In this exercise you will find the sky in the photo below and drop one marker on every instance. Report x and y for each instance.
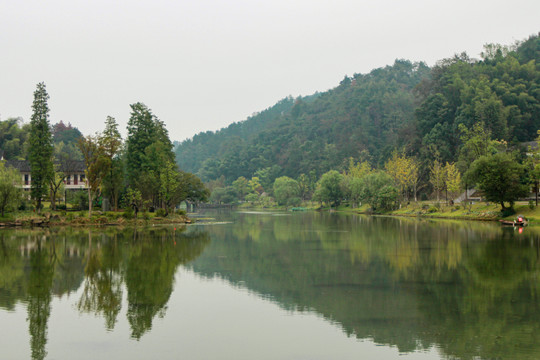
(201, 65)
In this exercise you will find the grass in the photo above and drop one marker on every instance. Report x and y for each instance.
(63, 217)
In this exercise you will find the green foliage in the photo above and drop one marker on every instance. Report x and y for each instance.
(242, 187)
(286, 191)
(500, 177)
(365, 112)
(181, 212)
(13, 138)
(66, 134)
(170, 185)
(161, 213)
(40, 150)
(128, 214)
(225, 195)
(96, 166)
(329, 188)
(377, 190)
(10, 193)
(78, 199)
(111, 143)
(148, 149)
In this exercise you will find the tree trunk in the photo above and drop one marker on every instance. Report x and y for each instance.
(536, 192)
(89, 203)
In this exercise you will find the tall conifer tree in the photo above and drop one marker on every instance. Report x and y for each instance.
(40, 151)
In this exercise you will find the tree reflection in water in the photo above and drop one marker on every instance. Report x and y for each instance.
(469, 289)
(35, 265)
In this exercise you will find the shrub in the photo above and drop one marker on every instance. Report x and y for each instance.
(181, 212)
(128, 214)
(507, 212)
(531, 204)
(161, 213)
(432, 209)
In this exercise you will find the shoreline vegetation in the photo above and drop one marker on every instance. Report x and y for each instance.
(479, 211)
(81, 218)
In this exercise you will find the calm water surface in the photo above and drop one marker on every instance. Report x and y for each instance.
(261, 285)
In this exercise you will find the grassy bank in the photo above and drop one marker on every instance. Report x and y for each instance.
(81, 218)
(478, 211)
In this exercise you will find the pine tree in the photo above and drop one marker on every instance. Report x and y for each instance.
(40, 151)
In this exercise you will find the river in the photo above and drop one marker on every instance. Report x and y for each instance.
(272, 285)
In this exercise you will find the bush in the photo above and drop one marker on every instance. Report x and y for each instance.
(181, 212)
(531, 204)
(294, 201)
(508, 212)
(128, 214)
(78, 199)
(25, 206)
(161, 213)
(61, 207)
(432, 209)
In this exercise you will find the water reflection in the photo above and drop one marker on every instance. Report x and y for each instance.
(35, 265)
(467, 288)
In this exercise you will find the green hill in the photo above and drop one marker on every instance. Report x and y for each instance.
(406, 106)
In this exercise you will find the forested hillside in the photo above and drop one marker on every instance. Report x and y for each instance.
(365, 114)
(407, 107)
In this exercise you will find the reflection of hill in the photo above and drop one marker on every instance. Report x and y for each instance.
(464, 287)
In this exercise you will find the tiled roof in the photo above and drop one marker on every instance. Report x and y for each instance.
(24, 166)
(21, 165)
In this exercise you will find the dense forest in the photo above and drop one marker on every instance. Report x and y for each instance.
(407, 108)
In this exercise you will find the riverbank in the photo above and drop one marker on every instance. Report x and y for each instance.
(81, 218)
(478, 211)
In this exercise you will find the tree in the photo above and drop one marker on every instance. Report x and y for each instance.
(148, 149)
(476, 142)
(437, 177)
(500, 177)
(111, 143)
(95, 166)
(242, 187)
(40, 151)
(56, 185)
(10, 192)
(351, 179)
(286, 191)
(169, 185)
(255, 185)
(134, 199)
(13, 137)
(404, 171)
(191, 188)
(452, 180)
(329, 188)
(377, 190)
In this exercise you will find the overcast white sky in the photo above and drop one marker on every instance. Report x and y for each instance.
(203, 64)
